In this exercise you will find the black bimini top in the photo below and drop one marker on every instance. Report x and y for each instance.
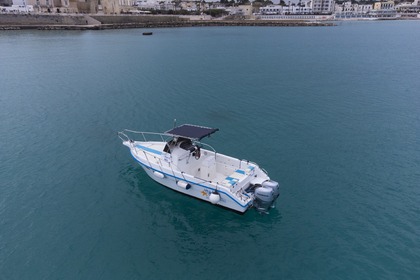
(190, 131)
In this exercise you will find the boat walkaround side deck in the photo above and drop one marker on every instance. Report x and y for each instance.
(180, 161)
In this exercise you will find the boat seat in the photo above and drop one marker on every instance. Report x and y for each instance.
(187, 145)
(234, 178)
(248, 170)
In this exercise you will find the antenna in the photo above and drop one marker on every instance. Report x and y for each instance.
(174, 123)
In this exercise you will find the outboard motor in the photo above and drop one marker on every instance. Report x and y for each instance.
(265, 195)
(274, 186)
(263, 198)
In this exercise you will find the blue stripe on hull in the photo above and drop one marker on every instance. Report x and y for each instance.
(194, 183)
(149, 149)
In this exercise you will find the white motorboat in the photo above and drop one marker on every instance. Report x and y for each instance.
(180, 161)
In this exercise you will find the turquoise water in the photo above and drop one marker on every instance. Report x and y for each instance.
(331, 113)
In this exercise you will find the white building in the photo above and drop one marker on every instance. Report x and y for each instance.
(408, 10)
(304, 9)
(349, 8)
(322, 6)
(384, 10)
(17, 9)
(147, 4)
(126, 2)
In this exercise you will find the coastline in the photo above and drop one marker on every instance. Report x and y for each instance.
(93, 22)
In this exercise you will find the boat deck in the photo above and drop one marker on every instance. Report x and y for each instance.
(217, 168)
(234, 179)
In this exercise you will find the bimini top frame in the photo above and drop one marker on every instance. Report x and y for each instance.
(193, 132)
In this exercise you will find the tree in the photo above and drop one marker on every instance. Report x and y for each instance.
(216, 12)
(263, 2)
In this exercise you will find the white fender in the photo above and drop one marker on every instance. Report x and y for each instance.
(158, 174)
(183, 185)
(214, 197)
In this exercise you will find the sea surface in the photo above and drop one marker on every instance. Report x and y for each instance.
(332, 113)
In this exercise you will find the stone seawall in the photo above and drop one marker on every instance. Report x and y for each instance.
(127, 19)
(95, 22)
(28, 19)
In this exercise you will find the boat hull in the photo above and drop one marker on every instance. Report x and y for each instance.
(193, 168)
(199, 190)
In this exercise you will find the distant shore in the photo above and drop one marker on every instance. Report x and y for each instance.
(94, 22)
(162, 25)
